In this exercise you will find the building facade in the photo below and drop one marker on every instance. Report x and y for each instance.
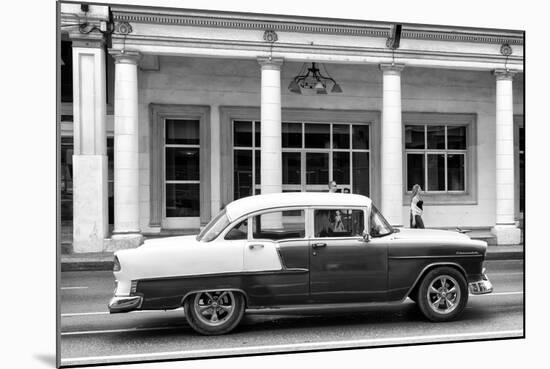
(167, 115)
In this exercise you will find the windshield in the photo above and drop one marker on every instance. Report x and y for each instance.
(379, 226)
(214, 227)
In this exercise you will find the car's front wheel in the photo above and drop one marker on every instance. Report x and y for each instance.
(443, 294)
(214, 312)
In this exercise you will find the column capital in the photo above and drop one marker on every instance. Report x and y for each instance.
(391, 68)
(270, 63)
(125, 56)
(504, 74)
(90, 40)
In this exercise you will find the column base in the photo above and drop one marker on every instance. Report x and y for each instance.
(507, 234)
(123, 241)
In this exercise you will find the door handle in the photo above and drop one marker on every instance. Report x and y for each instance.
(318, 245)
(255, 246)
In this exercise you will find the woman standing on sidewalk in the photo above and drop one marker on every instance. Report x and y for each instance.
(416, 207)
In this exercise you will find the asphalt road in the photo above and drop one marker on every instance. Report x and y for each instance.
(89, 334)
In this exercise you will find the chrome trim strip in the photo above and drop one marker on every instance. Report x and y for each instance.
(436, 256)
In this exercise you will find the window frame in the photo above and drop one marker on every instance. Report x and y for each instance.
(158, 113)
(228, 114)
(453, 197)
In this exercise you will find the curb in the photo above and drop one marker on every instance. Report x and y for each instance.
(82, 266)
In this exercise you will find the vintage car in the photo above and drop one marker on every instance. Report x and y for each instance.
(299, 250)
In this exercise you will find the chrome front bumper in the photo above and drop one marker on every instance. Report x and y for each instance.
(123, 304)
(482, 286)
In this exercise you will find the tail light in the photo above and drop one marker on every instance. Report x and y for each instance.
(116, 265)
(133, 287)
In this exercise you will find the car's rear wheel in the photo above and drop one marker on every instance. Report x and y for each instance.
(443, 294)
(214, 312)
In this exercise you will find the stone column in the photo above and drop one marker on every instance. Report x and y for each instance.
(392, 145)
(271, 146)
(90, 206)
(505, 229)
(126, 233)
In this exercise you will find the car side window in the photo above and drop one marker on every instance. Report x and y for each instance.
(279, 225)
(238, 232)
(338, 223)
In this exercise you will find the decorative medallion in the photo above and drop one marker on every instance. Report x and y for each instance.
(123, 28)
(270, 36)
(506, 50)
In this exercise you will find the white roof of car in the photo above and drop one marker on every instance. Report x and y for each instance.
(251, 204)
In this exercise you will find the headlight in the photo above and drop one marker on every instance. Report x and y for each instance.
(116, 265)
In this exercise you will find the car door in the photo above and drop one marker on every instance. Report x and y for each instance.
(344, 267)
(276, 257)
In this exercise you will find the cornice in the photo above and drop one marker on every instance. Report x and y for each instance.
(281, 47)
(328, 27)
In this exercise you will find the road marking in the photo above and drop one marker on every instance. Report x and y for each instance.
(499, 294)
(504, 273)
(74, 288)
(298, 346)
(68, 315)
(121, 330)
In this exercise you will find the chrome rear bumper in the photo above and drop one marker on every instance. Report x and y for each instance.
(123, 304)
(482, 286)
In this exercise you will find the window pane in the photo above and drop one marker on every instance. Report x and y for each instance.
(414, 137)
(456, 138)
(436, 172)
(182, 200)
(182, 164)
(455, 172)
(316, 168)
(360, 134)
(338, 223)
(238, 232)
(242, 166)
(436, 137)
(258, 134)
(415, 170)
(291, 168)
(278, 225)
(521, 139)
(292, 135)
(182, 132)
(242, 134)
(340, 167)
(361, 173)
(340, 136)
(258, 166)
(67, 150)
(317, 135)
(110, 180)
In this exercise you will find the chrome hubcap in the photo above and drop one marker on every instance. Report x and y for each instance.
(443, 294)
(214, 308)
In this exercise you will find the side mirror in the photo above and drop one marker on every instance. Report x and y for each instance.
(366, 236)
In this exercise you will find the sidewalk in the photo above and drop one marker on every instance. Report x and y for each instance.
(104, 260)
